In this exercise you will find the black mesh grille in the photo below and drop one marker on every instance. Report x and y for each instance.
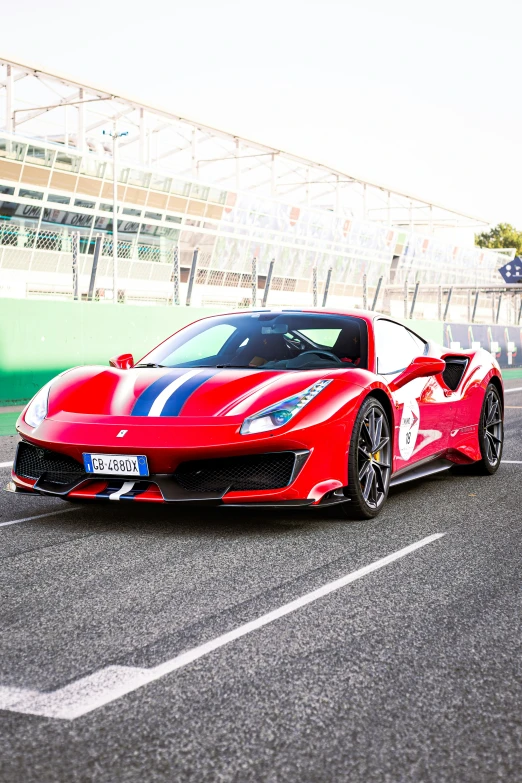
(33, 462)
(262, 471)
(454, 371)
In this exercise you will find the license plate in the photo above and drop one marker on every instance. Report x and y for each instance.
(116, 464)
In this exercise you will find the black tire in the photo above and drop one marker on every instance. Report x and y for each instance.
(369, 462)
(491, 432)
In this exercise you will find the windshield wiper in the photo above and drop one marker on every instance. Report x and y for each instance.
(240, 366)
(151, 364)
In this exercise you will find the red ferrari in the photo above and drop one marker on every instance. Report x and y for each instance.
(268, 408)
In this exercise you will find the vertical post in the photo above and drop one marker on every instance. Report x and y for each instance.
(9, 95)
(376, 296)
(448, 300)
(143, 137)
(327, 286)
(81, 122)
(365, 293)
(238, 166)
(414, 299)
(75, 253)
(406, 298)
(469, 305)
(268, 282)
(114, 214)
(66, 125)
(477, 293)
(175, 277)
(314, 286)
(519, 312)
(192, 277)
(97, 249)
(439, 303)
(254, 281)
(498, 308)
(194, 154)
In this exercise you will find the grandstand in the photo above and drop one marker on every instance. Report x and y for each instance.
(253, 213)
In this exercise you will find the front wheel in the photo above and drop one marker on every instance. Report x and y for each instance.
(369, 462)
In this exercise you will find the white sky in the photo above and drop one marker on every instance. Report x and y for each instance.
(421, 96)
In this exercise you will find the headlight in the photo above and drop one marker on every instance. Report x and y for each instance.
(279, 414)
(37, 410)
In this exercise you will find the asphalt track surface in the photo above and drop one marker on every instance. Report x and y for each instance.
(410, 672)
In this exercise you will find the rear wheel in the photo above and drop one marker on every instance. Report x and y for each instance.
(369, 462)
(491, 432)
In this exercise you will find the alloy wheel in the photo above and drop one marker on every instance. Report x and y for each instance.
(493, 430)
(374, 457)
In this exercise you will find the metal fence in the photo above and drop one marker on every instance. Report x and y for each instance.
(38, 264)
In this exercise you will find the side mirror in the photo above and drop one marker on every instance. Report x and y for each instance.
(421, 367)
(122, 362)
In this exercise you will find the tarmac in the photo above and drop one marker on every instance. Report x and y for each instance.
(151, 644)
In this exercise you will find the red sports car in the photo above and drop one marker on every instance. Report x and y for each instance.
(265, 408)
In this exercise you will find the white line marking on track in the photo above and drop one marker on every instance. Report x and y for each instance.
(161, 400)
(126, 487)
(38, 516)
(508, 391)
(512, 461)
(107, 685)
(6, 464)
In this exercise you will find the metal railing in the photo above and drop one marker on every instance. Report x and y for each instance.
(39, 264)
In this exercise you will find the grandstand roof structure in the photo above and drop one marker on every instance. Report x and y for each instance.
(54, 107)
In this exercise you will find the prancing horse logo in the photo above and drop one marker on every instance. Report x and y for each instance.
(121, 433)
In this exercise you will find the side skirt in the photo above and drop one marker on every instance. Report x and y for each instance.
(421, 471)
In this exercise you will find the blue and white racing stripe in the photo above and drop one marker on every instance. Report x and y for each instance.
(168, 395)
(180, 396)
(118, 489)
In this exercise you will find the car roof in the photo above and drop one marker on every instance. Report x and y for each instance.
(366, 315)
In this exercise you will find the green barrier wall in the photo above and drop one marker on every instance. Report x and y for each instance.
(39, 339)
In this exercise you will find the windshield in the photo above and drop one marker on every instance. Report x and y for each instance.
(268, 341)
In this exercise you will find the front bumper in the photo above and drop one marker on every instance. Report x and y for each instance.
(46, 479)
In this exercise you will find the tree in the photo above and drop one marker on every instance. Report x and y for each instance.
(503, 235)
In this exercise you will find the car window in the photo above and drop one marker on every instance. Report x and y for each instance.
(204, 345)
(271, 340)
(326, 337)
(395, 346)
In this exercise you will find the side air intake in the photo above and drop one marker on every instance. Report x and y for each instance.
(455, 367)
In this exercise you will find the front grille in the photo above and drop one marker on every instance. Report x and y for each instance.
(454, 371)
(33, 461)
(260, 471)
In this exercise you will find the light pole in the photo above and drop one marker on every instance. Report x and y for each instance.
(115, 136)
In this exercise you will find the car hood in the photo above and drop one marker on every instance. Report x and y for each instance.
(181, 392)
